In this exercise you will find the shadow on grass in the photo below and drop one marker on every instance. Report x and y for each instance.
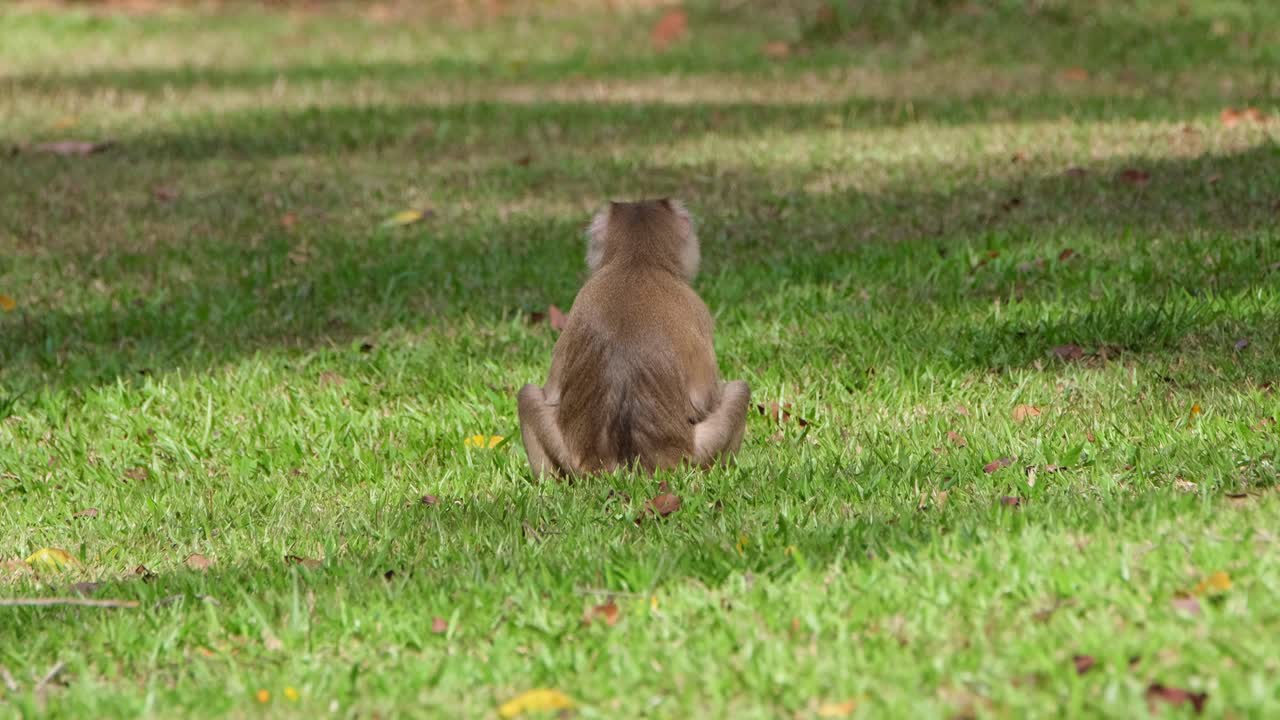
(1201, 226)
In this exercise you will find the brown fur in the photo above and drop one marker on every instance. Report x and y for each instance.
(633, 377)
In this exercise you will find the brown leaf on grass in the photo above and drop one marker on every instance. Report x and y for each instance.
(559, 321)
(306, 562)
(671, 27)
(1134, 176)
(1066, 255)
(142, 572)
(661, 506)
(936, 499)
(1218, 582)
(164, 193)
(1076, 171)
(1075, 74)
(1083, 663)
(665, 504)
(86, 513)
(1231, 117)
(1010, 501)
(73, 148)
(997, 464)
(430, 500)
(1186, 604)
(1158, 693)
(1186, 486)
(962, 410)
(439, 625)
(524, 160)
(1068, 353)
(780, 413)
(329, 377)
(836, 710)
(957, 439)
(776, 50)
(288, 220)
(196, 561)
(606, 613)
(1022, 412)
(138, 474)
(7, 304)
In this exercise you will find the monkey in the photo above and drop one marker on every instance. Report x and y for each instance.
(633, 377)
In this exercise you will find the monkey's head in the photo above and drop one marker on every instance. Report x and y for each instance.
(647, 232)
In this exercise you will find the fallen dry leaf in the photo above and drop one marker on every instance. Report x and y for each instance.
(1218, 582)
(329, 377)
(86, 513)
(936, 499)
(1022, 412)
(1075, 74)
(524, 160)
(836, 710)
(1134, 176)
(7, 303)
(780, 413)
(196, 561)
(1232, 117)
(957, 439)
(671, 27)
(52, 560)
(1031, 475)
(1083, 663)
(606, 613)
(540, 700)
(776, 50)
(995, 465)
(1066, 255)
(138, 474)
(164, 193)
(439, 625)
(665, 504)
(430, 500)
(1076, 171)
(69, 148)
(1158, 693)
(962, 410)
(1011, 501)
(306, 562)
(142, 572)
(483, 441)
(1186, 604)
(288, 220)
(1068, 353)
(1184, 485)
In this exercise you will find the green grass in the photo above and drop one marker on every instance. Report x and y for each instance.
(884, 216)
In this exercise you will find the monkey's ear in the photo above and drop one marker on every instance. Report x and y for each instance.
(596, 232)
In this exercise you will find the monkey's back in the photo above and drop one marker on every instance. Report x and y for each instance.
(641, 349)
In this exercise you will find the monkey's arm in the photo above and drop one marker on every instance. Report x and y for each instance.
(543, 442)
(720, 434)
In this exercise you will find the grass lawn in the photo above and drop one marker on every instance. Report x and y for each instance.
(1010, 265)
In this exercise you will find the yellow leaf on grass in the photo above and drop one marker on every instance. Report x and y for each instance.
(837, 710)
(1195, 409)
(405, 217)
(1215, 583)
(7, 303)
(540, 700)
(264, 696)
(52, 559)
(480, 441)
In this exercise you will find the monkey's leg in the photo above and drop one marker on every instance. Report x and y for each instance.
(543, 442)
(720, 435)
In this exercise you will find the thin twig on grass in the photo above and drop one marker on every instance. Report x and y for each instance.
(9, 682)
(49, 676)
